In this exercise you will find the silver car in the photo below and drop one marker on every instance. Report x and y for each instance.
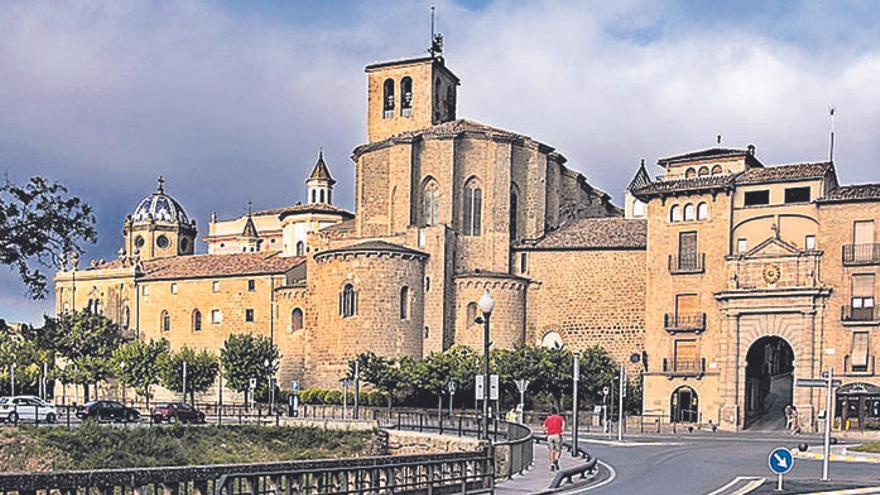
(27, 408)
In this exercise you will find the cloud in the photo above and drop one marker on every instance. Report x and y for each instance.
(231, 101)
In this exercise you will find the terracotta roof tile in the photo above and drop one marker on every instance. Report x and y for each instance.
(704, 154)
(855, 192)
(306, 208)
(595, 233)
(374, 245)
(784, 173)
(207, 265)
(722, 181)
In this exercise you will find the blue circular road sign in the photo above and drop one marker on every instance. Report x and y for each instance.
(781, 461)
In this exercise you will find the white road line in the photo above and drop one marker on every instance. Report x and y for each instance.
(736, 480)
(613, 475)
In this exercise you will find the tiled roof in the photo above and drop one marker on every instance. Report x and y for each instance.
(207, 265)
(784, 173)
(720, 181)
(321, 172)
(640, 179)
(855, 192)
(595, 233)
(375, 245)
(704, 154)
(307, 208)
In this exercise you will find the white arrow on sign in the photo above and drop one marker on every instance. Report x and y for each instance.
(781, 461)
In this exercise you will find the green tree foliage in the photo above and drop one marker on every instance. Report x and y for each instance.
(384, 374)
(201, 371)
(38, 221)
(244, 356)
(143, 362)
(86, 342)
(17, 349)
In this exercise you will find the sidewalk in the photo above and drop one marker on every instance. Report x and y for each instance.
(536, 479)
(839, 453)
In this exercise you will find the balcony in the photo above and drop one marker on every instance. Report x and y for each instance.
(684, 323)
(867, 370)
(695, 263)
(859, 315)
(861, 254)
(684, 367)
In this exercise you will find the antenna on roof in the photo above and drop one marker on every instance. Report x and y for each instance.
(436, 38)
(831, 147)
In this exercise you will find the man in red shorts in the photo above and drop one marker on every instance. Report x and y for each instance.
(554, 425)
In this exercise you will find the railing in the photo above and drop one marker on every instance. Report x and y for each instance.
(861, 254)
(468, 473)
(690, 322)
(870, 367)
(687, 264)
(849, 313)
(517, 451)
(684, 367)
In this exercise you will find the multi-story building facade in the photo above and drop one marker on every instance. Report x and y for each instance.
(757, 275)
(445, 209)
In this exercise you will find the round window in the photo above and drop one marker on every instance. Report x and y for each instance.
(139, 241)
(184, 245)
(162, 242)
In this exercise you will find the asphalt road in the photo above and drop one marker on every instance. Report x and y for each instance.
(702, 463)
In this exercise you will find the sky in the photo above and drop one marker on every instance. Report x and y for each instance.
(231, 100)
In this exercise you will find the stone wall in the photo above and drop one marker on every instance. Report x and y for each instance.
(415, 443)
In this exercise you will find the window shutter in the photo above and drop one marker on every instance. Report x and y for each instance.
(863, 232)
(860, 349)
(686, 304)
(863, 285)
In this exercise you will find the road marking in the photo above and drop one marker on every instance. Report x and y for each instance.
(615, 443)
(611, 477)
(853, 491)
(752, 485)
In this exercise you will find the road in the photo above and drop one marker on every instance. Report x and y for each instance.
(701, 463)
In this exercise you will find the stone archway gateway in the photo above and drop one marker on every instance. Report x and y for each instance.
(769, 383)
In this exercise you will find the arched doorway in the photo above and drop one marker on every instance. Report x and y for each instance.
(685, 405)
(769, 383)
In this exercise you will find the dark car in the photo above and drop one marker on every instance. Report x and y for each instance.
(107, 410)
(172, 412)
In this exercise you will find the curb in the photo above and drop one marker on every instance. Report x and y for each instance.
(839, 458)
(851, 491)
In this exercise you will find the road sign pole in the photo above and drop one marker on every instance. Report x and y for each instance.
(826, 450)
(621, 395)
(575, 419)
(779, 484)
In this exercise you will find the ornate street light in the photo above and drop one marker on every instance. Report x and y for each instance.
(486, 304)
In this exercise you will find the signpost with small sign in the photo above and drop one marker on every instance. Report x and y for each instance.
(781, 462)
(827, 382)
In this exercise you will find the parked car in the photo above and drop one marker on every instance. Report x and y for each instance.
(107, 410)
(173, 412)
(27, 408)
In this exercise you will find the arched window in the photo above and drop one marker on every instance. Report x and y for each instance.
(473, 208)
(126, 317)
(388, 99)
(431, 203)
(552, 340)
(689, 212)
(523, 263)
(702, 211)
(197, 321)
(98, 308)
(322, 196)
(717, 170)
(406, 96)
(437, 100)
(300, 248)
(471, 313)
(513, 214)
(690, 173)
(404, 303)
(427, 284)
(296, 319)
(348, 301)
(165, 321)
(675, 213)
(450, 103)
(704, 171)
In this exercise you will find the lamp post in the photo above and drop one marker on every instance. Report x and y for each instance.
(270, 385)
(122, 382)
(486, 304)
(184, 380)
(12, 378)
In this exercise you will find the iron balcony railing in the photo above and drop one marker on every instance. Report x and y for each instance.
(684, 367)
(861, 254)
(689, 322)
(869, 368)
(849, 313)
(695, 263)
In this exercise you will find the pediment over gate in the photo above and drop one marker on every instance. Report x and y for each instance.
(773, 247)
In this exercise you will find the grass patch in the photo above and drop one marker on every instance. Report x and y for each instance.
(870, 447)
(94, 446)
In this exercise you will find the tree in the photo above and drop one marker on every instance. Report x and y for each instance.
(201, 371)
(38, 222)
(245, 356)
(16, 349)
(142, 367)
(384, 374)
(86, 341)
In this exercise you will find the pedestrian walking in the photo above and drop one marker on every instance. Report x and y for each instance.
(788, 417)
(795, 421)
(554, 425)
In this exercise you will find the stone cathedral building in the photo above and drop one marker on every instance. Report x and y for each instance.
(730, 278)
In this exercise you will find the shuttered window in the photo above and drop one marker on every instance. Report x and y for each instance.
(686, 304)
(687, 250)
(859, 350)
(863, 232)
(686, 357)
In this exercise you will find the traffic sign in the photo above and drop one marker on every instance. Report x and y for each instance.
(781, 461)
(493, 387)
(815, 382)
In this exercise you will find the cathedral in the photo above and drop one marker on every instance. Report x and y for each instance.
(445, 209)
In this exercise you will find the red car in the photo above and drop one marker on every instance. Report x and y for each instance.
(172, 412)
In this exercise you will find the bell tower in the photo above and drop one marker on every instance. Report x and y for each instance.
(408, 95)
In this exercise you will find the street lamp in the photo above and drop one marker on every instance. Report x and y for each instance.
(486, 304)
(12, 378)
(122, 382)
(271, 386)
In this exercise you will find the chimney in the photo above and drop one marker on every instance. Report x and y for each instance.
(751, 149)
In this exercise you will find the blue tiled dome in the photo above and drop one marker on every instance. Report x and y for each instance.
(160, 207)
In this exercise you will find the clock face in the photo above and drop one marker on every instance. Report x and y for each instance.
(771, 273)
